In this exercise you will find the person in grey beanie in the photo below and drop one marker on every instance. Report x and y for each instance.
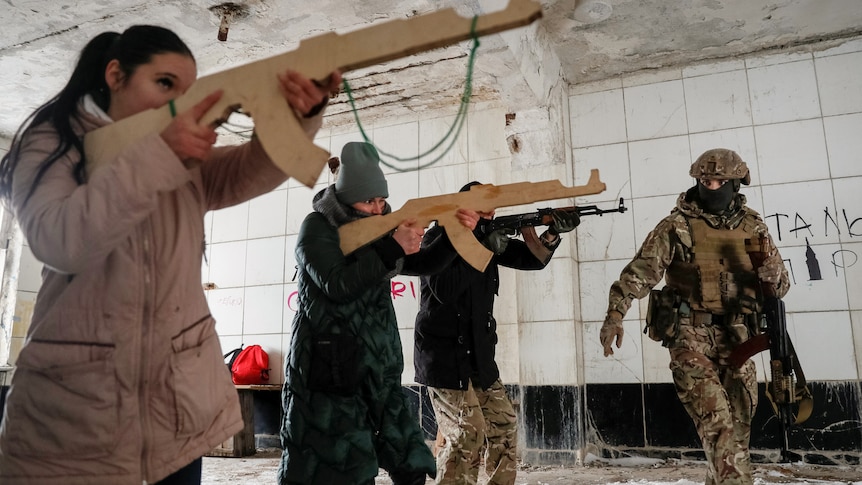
(345, 415)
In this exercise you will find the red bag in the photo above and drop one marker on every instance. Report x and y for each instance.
(248, 365)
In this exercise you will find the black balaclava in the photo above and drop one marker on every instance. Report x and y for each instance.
(718, 200)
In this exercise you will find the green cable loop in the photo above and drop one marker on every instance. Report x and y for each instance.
(456, 127)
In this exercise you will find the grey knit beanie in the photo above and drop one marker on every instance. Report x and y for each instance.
(360, 177)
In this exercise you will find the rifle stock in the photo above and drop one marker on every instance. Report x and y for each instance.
(442, 208)
(253, 87)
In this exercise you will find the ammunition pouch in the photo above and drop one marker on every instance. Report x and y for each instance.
(663, 313)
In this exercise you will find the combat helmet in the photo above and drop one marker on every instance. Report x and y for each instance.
(721, 164)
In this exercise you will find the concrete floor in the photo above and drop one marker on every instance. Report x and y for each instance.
(261, 469)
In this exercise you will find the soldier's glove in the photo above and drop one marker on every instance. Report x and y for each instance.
(498, 240)
(612, 328)
(770, 273)
(564, 221)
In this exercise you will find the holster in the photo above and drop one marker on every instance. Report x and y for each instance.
(663, 312)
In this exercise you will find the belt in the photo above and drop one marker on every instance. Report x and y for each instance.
(699, 318)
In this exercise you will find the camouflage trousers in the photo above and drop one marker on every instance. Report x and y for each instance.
(720, 399)
(474, 423)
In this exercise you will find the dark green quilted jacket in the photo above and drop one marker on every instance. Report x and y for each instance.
(345, 414)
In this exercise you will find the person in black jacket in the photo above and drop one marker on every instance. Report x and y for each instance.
(455, 339)
(345, 414)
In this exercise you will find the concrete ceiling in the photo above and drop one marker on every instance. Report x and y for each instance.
(40, 40)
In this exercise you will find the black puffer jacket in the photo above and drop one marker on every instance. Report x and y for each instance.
(456, 332)
(342, 435)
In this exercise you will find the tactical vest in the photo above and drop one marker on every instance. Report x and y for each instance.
(720, 277)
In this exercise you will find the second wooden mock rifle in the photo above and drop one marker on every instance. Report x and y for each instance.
(253, 87)
(442, 208)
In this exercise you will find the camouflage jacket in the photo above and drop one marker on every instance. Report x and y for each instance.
(671, 241)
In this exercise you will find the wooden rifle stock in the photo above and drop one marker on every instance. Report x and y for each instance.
(442, 208)
(253, 87)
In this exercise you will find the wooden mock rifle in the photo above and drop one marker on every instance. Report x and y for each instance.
(253, 86)
(542, 217)
(787, 386)
(442, 208)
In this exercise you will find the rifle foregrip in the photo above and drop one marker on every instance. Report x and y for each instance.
(748, 349)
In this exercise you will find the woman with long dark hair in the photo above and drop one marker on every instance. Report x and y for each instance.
(121, 379)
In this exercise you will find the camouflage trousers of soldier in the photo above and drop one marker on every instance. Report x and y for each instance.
(720, 399)
(475, 424)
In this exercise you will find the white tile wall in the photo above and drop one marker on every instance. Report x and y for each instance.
(848, 205)
(840, 81)
(486, 136)
(806, 295)
(655, 110)
(849, 263)
(403, 186)
(783, 92)
(844, 144)
(649, 211)
(227, 264)
(768, 109)
(230, 224)
(267, 215)
(408, 377)
(597, 118)
(226, 306)
(547, 353)
(795, 211)
(452, 149)
(626, 365)
(508, 352)
(612, 162)
(405, 299)
(442, 179)
(29, 271)
(398, 146)
(299, 205)
(506, 308)
(265, 261)
(291, 306)
(856, 326)
(609, 236)
(290, 259)
(263, 312)
(596, 279)
(717, 101)
(813, 333)
(546, 295)
(660, 166)
(791, 152)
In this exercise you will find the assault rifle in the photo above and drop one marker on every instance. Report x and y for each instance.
(442, 208)
(253, 87)
(788, 386)
(542, 217)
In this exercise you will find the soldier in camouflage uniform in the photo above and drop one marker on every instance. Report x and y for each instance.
(707, 307)
(454, 347)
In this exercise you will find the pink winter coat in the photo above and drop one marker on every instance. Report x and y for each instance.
(122, 378)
